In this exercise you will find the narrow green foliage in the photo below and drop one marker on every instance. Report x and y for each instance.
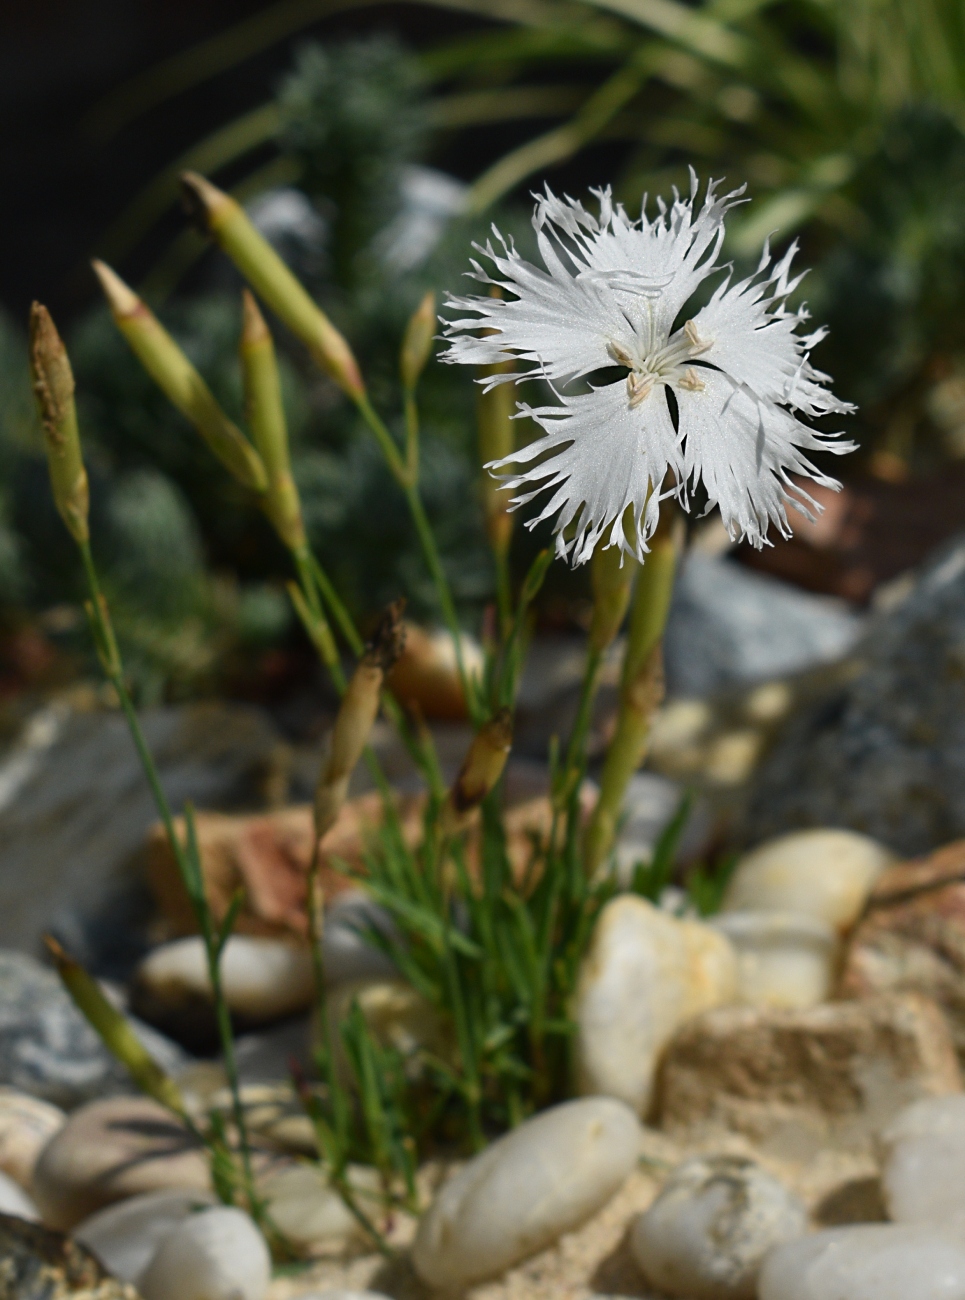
(651, 878)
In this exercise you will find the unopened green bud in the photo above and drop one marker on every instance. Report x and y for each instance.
(53, 385)
(228, 224)
(266, 419)
(417, 344)
(115, 1030)
(179, 380)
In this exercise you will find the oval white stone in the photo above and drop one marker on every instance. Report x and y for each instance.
(216, 1255)
(867, 1262)
(525, 1190)
(784, 959)
(262, 978)
(823, 873)
(308, 1211)
(125, 1237)
(714, 1221)
(646, 973)
(923, 1167)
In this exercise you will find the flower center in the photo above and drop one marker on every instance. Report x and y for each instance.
(665, 364)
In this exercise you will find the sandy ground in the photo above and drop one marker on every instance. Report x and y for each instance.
(595, 1260)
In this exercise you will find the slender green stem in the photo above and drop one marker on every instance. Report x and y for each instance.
(411, 437)
(114, 670)
(331, 597)
(504, 593)
(573, 763)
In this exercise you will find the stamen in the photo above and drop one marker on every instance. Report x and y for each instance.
(620, 355)
(639, 388)
(696, 342)
(691, 381)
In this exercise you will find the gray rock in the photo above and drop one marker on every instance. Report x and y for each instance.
(47, 1048)
(886, 753)
(729, 626)
(75, 807)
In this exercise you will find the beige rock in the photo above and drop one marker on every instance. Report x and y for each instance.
(263, 979)
(26, 1126)
(798, 1080)
(14, 1200)
(112, 1149)
(784, 959)
(645, 974)
(913, 936)
(524, 1190)
(827, 874)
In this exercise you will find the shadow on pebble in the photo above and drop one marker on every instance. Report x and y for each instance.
(618, 1274)
(858, 1201)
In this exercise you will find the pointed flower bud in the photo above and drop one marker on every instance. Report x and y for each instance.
(115, 1030)
(358, 711)
(179, 381)
(481, 769)
(53, 385)
(228, 224)
(417, 343)
(266, 419)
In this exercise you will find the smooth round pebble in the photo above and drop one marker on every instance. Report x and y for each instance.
(645, 973)
(26, 1126)
(14, 1200)
(308, 1211)
(216, 1255)
(868, 1262)
(923, 1166)
(824, 873)
(714, 1221)
(784, 959)
(542, 1179)
(126, 1236)
(339, 1294)
(263, 979)
(112, 1149)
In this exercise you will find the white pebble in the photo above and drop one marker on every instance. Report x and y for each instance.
(263, 979)
(125, 1236)
(308, 1211)
(923, 1166)
(645, 974)
(14, 1200)
(868, 1262)
(825, 873)
(709, 1229)
(526, 1189)
(26, 1126)
(784, 959)
(216, 1255)
(339, 1294)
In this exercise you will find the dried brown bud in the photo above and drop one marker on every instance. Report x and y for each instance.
(481, 769)
(53, 385)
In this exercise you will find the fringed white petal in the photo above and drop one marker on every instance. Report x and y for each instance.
(754, 341)
(601, 457)
(743, 449)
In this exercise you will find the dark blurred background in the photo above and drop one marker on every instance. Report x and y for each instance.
(372, 143)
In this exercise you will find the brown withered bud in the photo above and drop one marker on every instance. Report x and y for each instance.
(481, 769)
(358, 711)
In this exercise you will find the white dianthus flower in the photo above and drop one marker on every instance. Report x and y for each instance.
(713, 399)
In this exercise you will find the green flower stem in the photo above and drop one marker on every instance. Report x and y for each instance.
(113, 668)
(430, 551)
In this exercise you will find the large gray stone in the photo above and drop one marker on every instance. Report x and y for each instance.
(886, 754)
(75, 808)
(48, 1049)
(729, 626)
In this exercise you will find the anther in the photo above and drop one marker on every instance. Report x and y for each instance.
(639, 388)
(691, 381)
(696, 342)
(620, 355)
